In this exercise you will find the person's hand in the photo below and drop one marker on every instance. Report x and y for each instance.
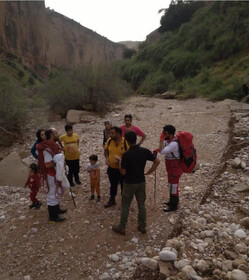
(155, 151)
(162, 136)
(117, 158)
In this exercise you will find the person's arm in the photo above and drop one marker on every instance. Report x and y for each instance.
(98, 174)
(33, 150)
(121, 168)
(154, 166)
(167, 150)
(142, 140)
(161, 142)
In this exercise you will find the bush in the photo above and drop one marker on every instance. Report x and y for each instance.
(31, 81)
(13, 105)
(20, 73)
(79, 89)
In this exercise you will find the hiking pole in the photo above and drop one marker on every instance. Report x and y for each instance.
(72, 195)
(155, 189)
(155, 151)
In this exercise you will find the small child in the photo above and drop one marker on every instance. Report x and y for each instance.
(33, 182)
(94, 172)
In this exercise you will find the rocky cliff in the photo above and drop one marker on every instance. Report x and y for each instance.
(42, 38)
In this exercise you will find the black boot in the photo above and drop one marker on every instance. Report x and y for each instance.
(110, 203)
(61, 211)
(53, 214)
(172, 204)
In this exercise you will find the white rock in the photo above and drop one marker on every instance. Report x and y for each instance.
(167, 256)
(27, 277)
(202, 266)
(238, 275)
(2, 218)
(114, 258)
(170, 249)
(243, 165)
(240, 233)
(181, 264)
(150, 263)
(22, 218)
(34, 229)
(189, 271)
(236, 162)
(134, 240)
(105, 276)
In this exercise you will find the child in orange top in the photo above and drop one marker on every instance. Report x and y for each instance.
(33, 182)
(94, 172)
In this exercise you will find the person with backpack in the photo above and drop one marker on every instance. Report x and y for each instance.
(115, 146)
(170, 149)
(180, 157)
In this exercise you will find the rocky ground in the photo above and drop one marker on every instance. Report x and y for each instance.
(206, 238)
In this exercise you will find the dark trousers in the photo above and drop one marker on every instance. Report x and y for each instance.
(74, 168)
(128, 193)
(33, 194)
(115, 178)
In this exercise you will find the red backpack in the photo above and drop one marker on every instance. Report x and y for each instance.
(187, 150)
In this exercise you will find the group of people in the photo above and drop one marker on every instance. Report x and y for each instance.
(125, 160)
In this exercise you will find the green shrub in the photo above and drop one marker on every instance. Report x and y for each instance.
(31, 81)
(81, 88)
(20, 73)
(13, 105)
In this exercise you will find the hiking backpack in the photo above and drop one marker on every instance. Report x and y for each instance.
(188, 154)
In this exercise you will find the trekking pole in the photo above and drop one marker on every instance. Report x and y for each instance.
(155, 154)
(72, 195)
(155, 189)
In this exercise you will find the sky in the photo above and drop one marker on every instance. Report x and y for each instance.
(117, 20)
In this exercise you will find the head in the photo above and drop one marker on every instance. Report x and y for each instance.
(69, 129)
(128, 120)
(93, 159)
(169, 131)
(33, 168)
(55, 133)
(131, 137)
(40, 135)
(107, 124)
(49, 134)
(116, 133)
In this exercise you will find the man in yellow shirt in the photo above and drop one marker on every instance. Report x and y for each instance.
(115, 146)
(72, 154)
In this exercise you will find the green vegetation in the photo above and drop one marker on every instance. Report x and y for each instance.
(202, 51)
(84, 88)
(13, 106)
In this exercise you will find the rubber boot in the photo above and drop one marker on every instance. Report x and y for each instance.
(53, 214)
(61, 211)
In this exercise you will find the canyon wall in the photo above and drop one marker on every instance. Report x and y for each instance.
(41, 38)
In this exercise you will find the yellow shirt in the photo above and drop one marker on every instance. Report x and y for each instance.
(114, 150)
(71, 148)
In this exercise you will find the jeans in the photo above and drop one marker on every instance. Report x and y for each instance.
(74, 168)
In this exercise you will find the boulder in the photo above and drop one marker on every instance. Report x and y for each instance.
(168, 95)
(245, 222)
(74, 116)
(149, 263)
(238, 275)
(13, 171)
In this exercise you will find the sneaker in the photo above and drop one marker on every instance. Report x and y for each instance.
(92, 197)
(38, 205)
(98, 198)
(142, 229)
(169, 209)
(166, 203)
(118, 230)
(31, 205)
(110, 203)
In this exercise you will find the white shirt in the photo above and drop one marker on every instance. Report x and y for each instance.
(170, 148)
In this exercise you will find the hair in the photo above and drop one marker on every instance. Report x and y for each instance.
(131, 137)
(93, 157)
(170, 129)
(107, 122)
(48, 133)
(34, 167)
(38, 134)
(68, 127)
(117, 129)
(128, 116)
